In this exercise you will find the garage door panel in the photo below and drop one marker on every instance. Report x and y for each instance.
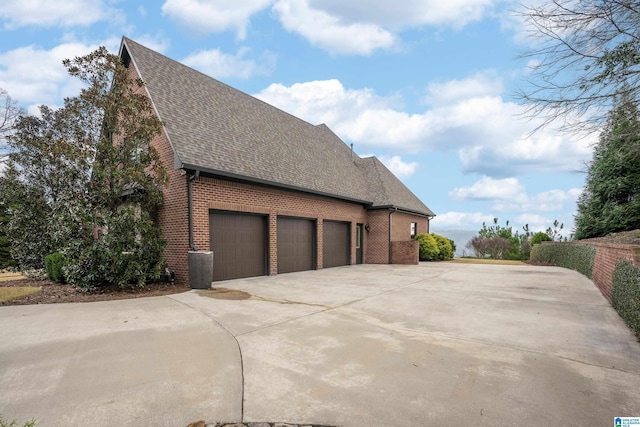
(295, 244)
(335, 244)
(238, 242)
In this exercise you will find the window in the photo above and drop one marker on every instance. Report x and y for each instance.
(414, 229)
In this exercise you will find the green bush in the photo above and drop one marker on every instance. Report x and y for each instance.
(540, 237)
(625, 297)
(453, 247)
(567, 255)
(445, 251)
(13, 423)
(428, 247)
(54, 265)
(128, 255)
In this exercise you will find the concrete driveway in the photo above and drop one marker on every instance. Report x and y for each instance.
(435, 344)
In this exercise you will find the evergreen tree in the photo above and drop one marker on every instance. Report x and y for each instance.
(84, 180)
(610, 201)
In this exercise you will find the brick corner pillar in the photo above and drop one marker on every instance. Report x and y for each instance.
(405, 252)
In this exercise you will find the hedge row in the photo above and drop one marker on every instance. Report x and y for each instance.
(575, 257)
(625, 297)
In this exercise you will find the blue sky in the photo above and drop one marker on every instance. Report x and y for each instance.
(425, 85)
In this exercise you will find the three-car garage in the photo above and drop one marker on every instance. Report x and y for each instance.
(240, 244)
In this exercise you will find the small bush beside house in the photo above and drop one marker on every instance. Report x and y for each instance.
(428, 247)
(445, 251)
(625, 297)
(434, 247)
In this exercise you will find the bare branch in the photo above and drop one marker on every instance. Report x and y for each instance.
(588, 53)
(9, 113)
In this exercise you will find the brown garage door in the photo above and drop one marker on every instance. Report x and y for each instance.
(238, 242)
(335, 244)
(296, 244)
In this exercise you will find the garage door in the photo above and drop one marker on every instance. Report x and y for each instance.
(335, 244)
(296, 244)
(238, 242)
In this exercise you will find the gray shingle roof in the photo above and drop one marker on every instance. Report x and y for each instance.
(387, 190)
(221, 130)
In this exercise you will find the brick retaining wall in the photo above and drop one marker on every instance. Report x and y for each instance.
(608, 255)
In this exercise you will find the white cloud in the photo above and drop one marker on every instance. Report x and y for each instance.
(400, 168)
(53, 13)
(330, 32)
(407, 13)
(487, 132)
(218, 64)
(488, 188)
(207, 17)
(479, 85)
(509, 195)
(461, 220)
(35, 76)
(361, 26)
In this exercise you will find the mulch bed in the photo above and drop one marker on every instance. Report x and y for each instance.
(52, 293)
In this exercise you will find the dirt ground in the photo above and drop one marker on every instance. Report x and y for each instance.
(51, 293)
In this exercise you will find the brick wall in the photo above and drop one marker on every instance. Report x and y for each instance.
(173, 216)
(218, 194)
(401, 226)
(377, 248)
(608, 255)
(406, 252)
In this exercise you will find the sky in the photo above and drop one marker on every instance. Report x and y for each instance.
(427, 86)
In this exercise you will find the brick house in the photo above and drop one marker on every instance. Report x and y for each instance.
(267, 192)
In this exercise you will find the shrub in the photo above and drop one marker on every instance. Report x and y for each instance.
(128, 255)
(567, 255)
(54, 267)
(4, 423)
(453, 247)
(540, 237)
(445, 251)
(428, 247)
(625, 297)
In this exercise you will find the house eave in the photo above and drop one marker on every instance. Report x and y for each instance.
(401, 209)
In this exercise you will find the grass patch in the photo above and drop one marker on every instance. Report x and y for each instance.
(13, 292)
(486, 261)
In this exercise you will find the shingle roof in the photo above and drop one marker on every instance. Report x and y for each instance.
(387, 190)
(221, 130)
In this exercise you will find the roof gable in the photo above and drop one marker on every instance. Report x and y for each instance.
(215, 128)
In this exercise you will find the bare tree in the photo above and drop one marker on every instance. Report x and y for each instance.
(9, 113)
(585, 55)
